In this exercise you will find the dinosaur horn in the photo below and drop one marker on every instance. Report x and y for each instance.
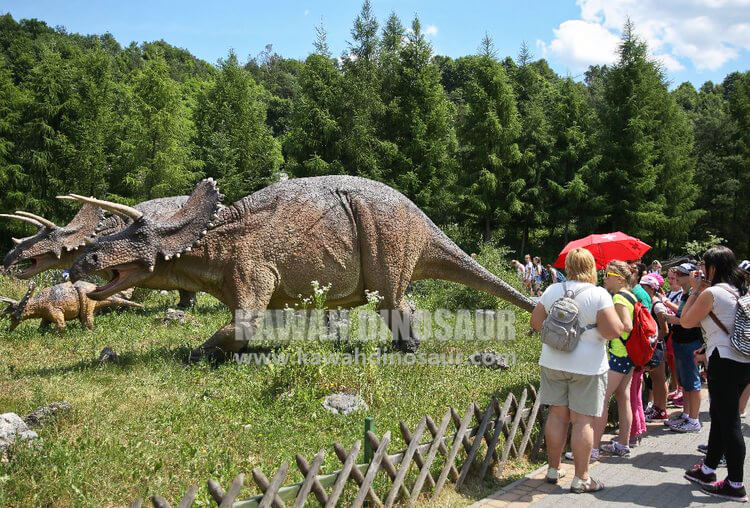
(25, 219)
(16, 241)
(37, 218)
(119, 209)
(8, 300)
(19, 308)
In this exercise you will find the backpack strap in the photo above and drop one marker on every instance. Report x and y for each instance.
(580, 291)
(630, 297)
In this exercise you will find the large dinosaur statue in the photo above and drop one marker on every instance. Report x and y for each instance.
(263, 251)
(60, 303)
(55, 247)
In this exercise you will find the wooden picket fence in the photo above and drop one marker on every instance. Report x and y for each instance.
(475, 438)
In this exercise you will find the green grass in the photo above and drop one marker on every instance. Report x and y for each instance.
(153, 425)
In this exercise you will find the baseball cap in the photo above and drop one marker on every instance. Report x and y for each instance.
(685, 268)
(745, 266)
(650, 281)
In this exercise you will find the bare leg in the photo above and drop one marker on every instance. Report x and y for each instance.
(600, 423)
(556, 433)
(692, 403)
(582, 442)
(625, 411)
(743, 399)
(659, 386)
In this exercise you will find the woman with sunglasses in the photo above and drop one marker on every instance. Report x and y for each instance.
(618, 281)
(712, 305)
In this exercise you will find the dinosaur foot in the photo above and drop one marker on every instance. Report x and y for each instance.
(405, 346)
(214, 355)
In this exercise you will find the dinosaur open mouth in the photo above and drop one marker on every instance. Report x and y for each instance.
(119, 279)
(34, 265)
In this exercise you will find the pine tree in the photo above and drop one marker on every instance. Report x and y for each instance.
(158, 158)
(313, 143)
(321, 41)
(488, 127)
(642, 152)
(232, 138)
(421, 126)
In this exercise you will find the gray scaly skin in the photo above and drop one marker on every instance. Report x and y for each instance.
(56, 247)
(61, 303)
(263, 251)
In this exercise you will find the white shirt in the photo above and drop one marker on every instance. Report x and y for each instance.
(530, 272)
(725, 306)
(590, 355)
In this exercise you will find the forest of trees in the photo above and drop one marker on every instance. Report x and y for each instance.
(499, 150)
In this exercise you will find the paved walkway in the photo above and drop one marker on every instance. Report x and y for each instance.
(652, 476)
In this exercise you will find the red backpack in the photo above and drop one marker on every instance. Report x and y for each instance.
(642, 340)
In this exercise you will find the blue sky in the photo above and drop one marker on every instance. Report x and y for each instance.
(696, 40)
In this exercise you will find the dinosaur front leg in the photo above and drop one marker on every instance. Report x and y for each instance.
(250, 292)
(57, 317)
(187, 299)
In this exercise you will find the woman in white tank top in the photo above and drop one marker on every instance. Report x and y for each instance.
(712, 305)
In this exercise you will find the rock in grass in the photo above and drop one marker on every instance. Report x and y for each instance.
(176, 316)
(13, 429)
(343, 403)
(490, 359)
(108, 356)
(42, 415)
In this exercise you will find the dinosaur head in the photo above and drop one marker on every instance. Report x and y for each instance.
(15, 309)
(52, 246)
(131, 255)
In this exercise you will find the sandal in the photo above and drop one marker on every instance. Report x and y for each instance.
(579, 486)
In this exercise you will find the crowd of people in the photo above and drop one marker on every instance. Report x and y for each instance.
(536, 276)
(693, 314)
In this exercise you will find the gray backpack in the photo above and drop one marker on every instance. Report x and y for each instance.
(561, 329)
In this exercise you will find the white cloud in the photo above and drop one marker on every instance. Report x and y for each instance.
(431, 30)
(579, 43)
(708, 33)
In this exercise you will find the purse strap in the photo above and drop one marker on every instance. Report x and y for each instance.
(715, 318)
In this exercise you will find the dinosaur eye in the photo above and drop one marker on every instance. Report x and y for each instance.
(95, 258)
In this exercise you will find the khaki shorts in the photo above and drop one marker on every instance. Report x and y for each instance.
(581, 393)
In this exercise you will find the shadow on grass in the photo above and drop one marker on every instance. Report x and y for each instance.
(178, 355)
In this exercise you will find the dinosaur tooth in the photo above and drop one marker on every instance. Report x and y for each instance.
(177, 255)
(188, 249)
(151, 268)
(167, 257)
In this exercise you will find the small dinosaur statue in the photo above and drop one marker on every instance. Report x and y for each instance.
(262, 251)
(55, 247)
(60, 303)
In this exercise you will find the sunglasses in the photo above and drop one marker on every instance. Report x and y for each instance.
(613, 274)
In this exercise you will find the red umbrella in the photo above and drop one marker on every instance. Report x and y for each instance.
(607, 247)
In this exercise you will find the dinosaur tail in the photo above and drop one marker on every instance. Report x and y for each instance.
(443, 259)
(116, 300)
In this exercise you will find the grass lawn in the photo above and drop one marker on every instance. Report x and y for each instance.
(153, 425)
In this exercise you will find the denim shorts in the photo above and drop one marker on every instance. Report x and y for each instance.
(687, 370)
(621, 364)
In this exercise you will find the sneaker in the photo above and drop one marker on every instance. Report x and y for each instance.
(703, 448)
(554, 474)
(675, 419)
(657, 414)
(696, 474)
(680, 402)
(616, 449)
(686, 426)
(594, 456)
(634, 441)
(723, 489)
(675, 394)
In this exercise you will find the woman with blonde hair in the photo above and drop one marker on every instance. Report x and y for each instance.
(618, 281)
(573, 383)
